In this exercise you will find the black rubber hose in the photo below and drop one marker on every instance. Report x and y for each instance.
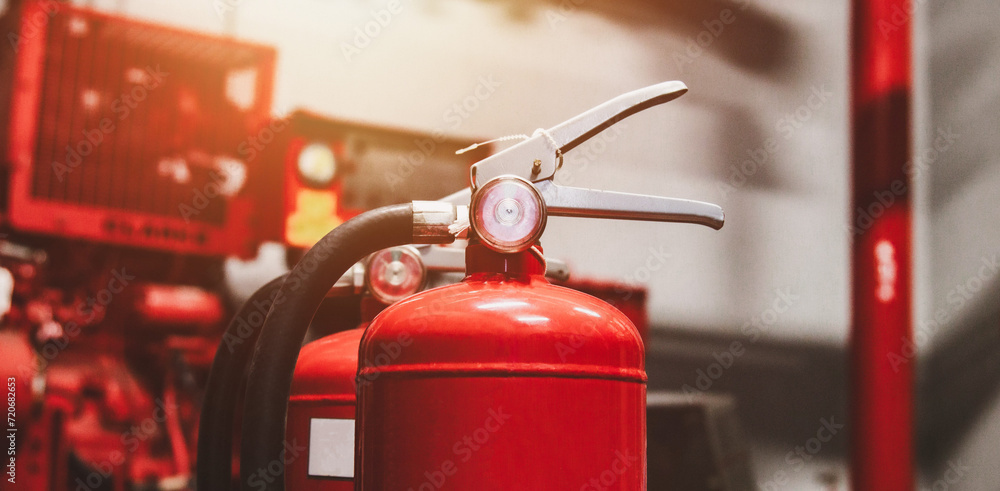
(262, 453)
(215, 426)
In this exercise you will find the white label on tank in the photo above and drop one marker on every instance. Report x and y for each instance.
(331, 448)
(6, 291)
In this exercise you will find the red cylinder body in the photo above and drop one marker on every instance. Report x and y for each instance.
(320, 426)
(503, 381)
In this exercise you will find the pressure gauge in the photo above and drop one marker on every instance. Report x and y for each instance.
(317, 165)
(394, 274)
(508, 214)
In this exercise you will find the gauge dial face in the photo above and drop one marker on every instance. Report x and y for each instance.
(317, 164)
(394, 274)
(508, 214)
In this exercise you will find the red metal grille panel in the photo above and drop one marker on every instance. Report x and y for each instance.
(131, 121)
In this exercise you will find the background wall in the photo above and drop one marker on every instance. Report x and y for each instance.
(960, 414)
(763, 132)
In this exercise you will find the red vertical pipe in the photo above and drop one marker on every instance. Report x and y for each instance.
(881, 345)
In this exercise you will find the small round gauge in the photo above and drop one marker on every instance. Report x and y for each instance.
(508, 214)
(394, 274)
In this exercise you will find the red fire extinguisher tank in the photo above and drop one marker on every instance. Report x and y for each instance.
(320, 426)
(502, 382)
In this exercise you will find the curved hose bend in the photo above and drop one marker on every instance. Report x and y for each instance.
(215, 426)
(277, 349)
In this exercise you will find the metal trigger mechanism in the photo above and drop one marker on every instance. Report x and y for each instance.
(513, 193)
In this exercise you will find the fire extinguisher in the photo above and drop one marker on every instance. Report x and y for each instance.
(506, 382)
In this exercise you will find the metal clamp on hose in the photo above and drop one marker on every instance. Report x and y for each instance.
(433, 221)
